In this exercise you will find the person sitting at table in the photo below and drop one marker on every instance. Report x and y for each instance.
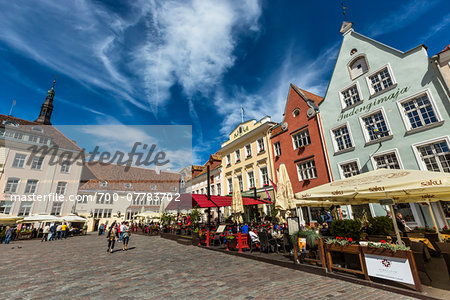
(244, 229)
(401, 224)
(253, 236)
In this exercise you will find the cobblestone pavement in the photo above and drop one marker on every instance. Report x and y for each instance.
(155, 268)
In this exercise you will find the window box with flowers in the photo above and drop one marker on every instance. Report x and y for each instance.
(228, 164)
(248, 156)
(265, 185)
(238, 160)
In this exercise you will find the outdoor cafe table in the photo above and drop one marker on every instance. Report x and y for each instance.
(423, 240)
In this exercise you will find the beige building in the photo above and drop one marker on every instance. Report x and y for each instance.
(442, 63)
(110, 192)
(248, 158)
(40, 169)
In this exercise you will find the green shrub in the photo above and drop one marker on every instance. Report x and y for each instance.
(346, 228)
(310, 235)
(380, 226)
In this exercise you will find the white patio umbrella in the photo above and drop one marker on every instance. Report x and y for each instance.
(237, 205)
(40, 218)
(74, 218)
(400, 186)
(285, 199)
(8, 219)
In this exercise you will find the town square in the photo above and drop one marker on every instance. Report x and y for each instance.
(206, 149)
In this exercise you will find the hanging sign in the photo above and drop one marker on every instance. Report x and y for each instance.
(387, 267)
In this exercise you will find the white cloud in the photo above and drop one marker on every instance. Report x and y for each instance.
(444, 22)
(405, 15)
(271, 98)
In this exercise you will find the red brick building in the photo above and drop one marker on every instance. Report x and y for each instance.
(298, 141)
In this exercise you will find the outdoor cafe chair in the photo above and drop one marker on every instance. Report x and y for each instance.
(421, 248)
(264, 241)
(420, 262)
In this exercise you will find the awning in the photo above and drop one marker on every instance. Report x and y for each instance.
(187, 201)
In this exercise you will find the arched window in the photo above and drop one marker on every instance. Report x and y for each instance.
(296, 112)
(358, 66)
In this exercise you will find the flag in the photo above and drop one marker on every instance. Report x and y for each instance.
(273, 184)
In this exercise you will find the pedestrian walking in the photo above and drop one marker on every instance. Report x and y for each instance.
(126, 237)
(64, 231)
(9, 233)
(45, 232)
(58, 232)
(121, 231)
(52, 234)
(100, 229)
(111, 236)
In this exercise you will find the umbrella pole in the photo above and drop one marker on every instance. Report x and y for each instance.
(434, 221)
(394, 221)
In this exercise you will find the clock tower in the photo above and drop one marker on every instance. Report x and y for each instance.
(47, 107)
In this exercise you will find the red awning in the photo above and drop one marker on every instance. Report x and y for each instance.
(187, 201)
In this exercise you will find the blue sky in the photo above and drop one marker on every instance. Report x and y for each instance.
(188, 62)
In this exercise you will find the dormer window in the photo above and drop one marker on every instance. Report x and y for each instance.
(357, 67)
(37, 128)
(11, 123)
(128, 185)
(296, 112)
(104, 184)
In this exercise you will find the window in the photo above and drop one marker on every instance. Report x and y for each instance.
(419, 112)
(174, 189)
(307, 170)
(228, 159)
(350, 96)
(241, 183)
(387, 161)
(375, 126)
(277, 148)
(251, 179)
(37, 163)
(301, 139)
(264, 176)
(11, 185)
(33, 138)
(19, 160)
(61, 188)
(25, 208)
(128, 185)
(65, 167)
(5, 207)
(154, 187)
(11, 134)
(212, 189)
(248, 150)
(201, 191)
(219, 191)
(349, 169)
(358, 67)
(56, 208)
(104, 184)
(342, 138)
(238, 155)
(296, 112)
(436, 156)
(37, 128)
(230, 185)
(31, 186)
(260, 143)
(107, 213)
(380, 81)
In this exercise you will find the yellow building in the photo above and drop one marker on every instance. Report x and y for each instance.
(248, 158)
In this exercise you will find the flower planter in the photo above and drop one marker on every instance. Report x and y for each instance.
(384, 252)
(352, 249)
(24, 235)
(231, 244)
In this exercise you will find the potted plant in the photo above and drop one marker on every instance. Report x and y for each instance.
(342, 244)
(346, 228)
(231, 242)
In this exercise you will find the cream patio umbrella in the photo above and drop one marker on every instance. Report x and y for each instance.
(74, 218)
(40, 218)
(8, 219)
(237, 205)
(391, 185)
(285, 199)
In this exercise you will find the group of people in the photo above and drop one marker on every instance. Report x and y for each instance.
(54, 232)
(120, 232)
(6, 234)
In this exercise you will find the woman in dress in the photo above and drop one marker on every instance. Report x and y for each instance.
(112, 234)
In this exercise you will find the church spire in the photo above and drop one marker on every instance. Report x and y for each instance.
(47, 107)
